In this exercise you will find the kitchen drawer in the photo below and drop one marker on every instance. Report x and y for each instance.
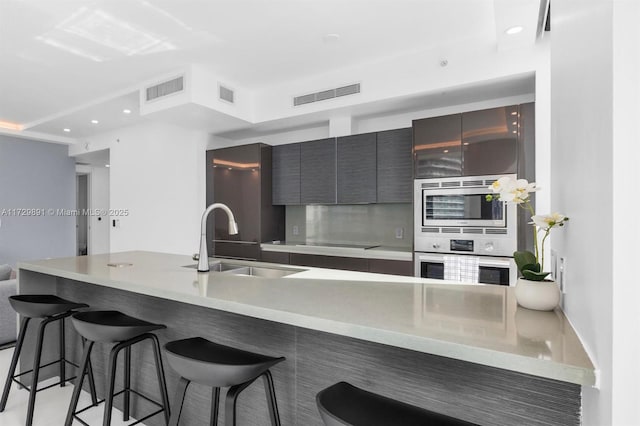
(392, 267)
(331, 262)
(275, 257)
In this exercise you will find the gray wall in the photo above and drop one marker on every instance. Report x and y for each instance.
(35, 175)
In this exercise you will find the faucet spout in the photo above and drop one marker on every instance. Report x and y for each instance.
(203, 260)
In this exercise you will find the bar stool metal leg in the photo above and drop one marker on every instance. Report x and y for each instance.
(14, 363)
(113, 358)
(178, 400)
(127, 383)
(36, 369)
(230, 404)
(215, 401)
(63, 362)
(85, 365)
(270, 390)
(89, 371)
(162, 382)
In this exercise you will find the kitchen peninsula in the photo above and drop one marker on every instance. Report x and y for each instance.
(464, 350)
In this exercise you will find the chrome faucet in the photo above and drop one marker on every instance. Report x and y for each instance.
(203, 257)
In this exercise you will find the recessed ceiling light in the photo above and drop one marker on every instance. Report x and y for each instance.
(514, 30)
(514, 113)
(126, 111)
(514, 123)
(331, 38)
(107, 165)
(514, 131)
(66, 130)
(466, 143)
(445, 151)
(94, 121)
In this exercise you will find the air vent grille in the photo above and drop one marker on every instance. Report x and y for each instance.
(472, 231)
(500, 231)
(431, 230)
(351, 89)
(472, 183)
(225, 94)
(430, 185)
(450, 184)
(489, 182)
(450, 230)
(166, 88)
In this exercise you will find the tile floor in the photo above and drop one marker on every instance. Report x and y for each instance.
(51, 404)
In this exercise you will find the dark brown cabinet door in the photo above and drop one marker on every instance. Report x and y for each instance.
(437, 146)
(286, 174)
(490, 141)
(236, 183)
(394, 171)
(356, 157)
(318, 172)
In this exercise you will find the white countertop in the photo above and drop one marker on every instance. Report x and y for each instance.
(378, 252)
(476, 323)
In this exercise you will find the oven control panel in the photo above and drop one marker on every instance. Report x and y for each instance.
(481, 246)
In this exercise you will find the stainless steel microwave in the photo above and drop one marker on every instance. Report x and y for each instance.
(452, 215)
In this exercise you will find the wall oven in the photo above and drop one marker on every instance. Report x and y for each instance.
(453, 218)
(491, 270)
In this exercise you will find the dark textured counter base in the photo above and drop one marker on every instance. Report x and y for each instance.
(315, 360)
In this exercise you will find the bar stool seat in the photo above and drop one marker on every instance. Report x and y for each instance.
(111, 326)
(202, 361)
(211, 364)
(343, 404)
(42, 305)
(125, 331)
(49, 308)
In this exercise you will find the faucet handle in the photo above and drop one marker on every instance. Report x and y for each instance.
(196, 256)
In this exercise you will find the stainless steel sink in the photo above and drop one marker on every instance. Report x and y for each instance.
(217, 266)
(259, 271)
(252, 271)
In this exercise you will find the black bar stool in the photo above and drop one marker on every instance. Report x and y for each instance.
(210, 364)
(346, 405)
(49, 308)
(125, 331)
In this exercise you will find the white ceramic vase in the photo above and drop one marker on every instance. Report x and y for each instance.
(538, 295)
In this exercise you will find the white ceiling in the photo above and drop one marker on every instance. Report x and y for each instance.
(66, 62)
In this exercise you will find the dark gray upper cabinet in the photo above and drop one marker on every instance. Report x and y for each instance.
(318, 172)
(437, 146)
(395, 176)
(490, 141)
(286, 174)
(240, 177)
(357, 169)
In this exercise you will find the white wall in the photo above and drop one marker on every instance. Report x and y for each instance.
(157, 174)
(594, 108)
(99, 200)
(626, 152)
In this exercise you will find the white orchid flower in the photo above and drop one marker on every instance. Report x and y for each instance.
(548, 221)
(501, 184)
(513, 191)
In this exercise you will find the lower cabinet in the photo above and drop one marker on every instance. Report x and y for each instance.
(378, 266)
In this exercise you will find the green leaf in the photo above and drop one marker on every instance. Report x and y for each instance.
(523, 258)
(533, 267)
(534, 276)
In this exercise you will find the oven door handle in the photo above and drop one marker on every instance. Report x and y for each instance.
(494, 263)
(497, 263)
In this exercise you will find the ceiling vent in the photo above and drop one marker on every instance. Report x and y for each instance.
(165, 89)
(225, 94)
(351, 89)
